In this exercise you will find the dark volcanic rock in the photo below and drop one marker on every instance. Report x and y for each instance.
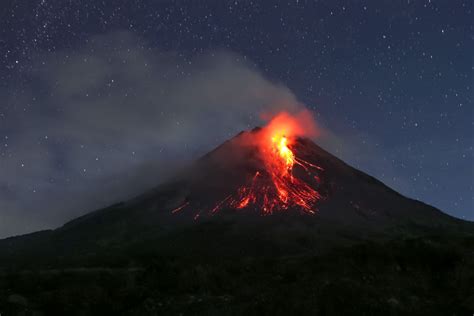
(356, 207)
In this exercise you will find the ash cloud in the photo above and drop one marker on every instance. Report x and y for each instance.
(110, 120)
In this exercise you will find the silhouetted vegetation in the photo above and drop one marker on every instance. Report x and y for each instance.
(417, 276)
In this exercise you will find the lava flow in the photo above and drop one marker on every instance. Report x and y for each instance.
(275, 187)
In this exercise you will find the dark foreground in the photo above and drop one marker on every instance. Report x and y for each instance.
(417, 276)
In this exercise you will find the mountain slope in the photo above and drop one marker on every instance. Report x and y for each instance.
(366, 250)
(354, 207)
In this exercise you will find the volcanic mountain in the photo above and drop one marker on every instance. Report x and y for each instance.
(268, 223)
(242, 197)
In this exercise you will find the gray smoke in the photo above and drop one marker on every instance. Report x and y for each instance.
(108, 121)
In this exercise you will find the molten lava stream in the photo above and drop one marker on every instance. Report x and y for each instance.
(274, 187)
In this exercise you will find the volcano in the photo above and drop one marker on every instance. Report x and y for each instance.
(259, 186)
(264, 212)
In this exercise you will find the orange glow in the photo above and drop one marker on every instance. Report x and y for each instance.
(179, 208)
(280, 145)
(274, 187)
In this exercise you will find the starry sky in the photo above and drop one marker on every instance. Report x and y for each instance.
(100, 100)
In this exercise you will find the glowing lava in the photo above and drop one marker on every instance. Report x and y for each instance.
(280, 143)
(275, 187)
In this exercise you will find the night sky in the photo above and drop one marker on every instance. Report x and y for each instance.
(100, 100)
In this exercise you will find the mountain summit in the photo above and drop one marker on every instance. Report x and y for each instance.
(318, 185)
